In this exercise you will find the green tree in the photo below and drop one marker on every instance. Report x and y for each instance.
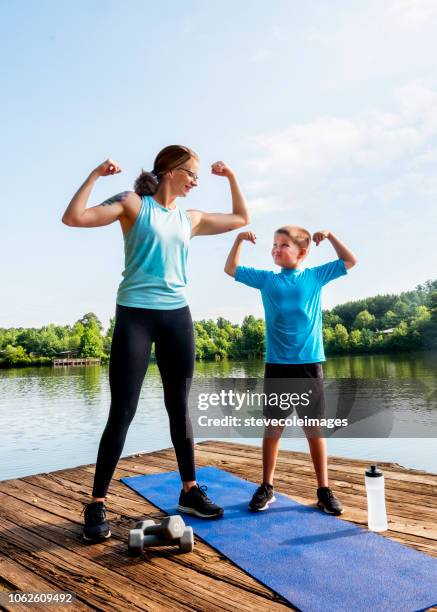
(107, 340)
(235, 336)
(367, 336)
(429, 328)
(205, 348)
(401, 310)
(422, 314)
(329, 339)
(15, 355)
(8, 336)
(341, 338)
(221, 345)
(89, 320)
(398, 339)
(364, 320)
(389, 320)
(252, 341)
(330, 319)
(355, 340)
(29, 339)
(49, 342)
(91, 342)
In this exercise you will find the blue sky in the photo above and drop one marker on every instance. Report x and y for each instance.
(326, 111)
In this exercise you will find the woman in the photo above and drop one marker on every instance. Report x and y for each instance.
(152, 307)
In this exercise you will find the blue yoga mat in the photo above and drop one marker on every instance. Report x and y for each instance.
(315, 561)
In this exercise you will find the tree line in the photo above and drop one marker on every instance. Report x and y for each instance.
(384, 323)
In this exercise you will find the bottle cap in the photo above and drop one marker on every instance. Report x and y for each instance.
(373, 472)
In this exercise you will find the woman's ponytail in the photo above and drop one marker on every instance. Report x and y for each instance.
(146, 184)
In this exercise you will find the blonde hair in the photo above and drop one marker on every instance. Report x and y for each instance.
(300, 236)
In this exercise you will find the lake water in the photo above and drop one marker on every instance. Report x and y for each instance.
(52, 418)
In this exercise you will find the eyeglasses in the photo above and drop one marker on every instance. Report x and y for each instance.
(193, 175)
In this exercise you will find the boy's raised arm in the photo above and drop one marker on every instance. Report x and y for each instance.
(342, 251)
(234, 254)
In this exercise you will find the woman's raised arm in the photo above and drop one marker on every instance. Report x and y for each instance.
(76, 213)
(217, 223)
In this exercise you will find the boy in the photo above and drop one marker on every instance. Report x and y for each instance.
(294, 341)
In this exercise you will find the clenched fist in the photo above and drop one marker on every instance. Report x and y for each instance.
(319, 236)
(249, 236)
(221, 169)
(108, 167)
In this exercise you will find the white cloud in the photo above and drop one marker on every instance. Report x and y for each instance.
(260, 55)
(316, 36)
(412, 12)
(380, 154)
(263, 204)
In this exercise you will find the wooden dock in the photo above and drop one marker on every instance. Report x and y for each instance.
(41, 547)
(75, 361)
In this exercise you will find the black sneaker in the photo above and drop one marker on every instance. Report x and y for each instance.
(195, 501)
(96, 526)
(262, 498)
(328, 502)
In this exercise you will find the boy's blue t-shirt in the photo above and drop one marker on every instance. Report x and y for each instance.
(293, 310)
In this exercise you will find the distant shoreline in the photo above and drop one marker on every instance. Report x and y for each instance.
(47, 362)
(383, 324)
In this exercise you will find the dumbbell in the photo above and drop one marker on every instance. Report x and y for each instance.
(171, 530)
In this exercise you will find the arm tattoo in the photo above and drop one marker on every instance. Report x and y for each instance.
(120, 197)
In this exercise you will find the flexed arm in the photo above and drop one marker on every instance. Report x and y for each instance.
(342, 251)
(112, 209)
(234, 254)
(217, 223)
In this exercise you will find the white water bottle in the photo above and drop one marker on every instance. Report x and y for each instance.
(376, 512)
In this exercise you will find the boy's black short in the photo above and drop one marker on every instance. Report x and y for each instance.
(289, 386)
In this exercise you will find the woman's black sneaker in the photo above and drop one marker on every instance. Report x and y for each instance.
(328, 502)
(96, 526)
(195, 501)
(262, 497)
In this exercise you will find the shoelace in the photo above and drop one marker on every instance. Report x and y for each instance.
(202, 490)
(328, 494)
(263, 491)
(100, 512)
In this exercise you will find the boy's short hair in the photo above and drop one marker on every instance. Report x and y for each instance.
(300, 236)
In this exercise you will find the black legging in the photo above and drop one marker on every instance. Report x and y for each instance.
(134, 332)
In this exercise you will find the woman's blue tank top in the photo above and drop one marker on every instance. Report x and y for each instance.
(156, 250)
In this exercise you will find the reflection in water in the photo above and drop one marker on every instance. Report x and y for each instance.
(52, 418)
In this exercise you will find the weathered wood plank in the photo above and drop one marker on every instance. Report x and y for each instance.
(170, 578)
(305, 473)
(230, 448)
(205, 560)
(48, 549)
(19, 578)
(101, 588)
(305, 493)
(354, 467)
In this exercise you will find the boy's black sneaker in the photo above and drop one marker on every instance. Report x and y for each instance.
(96, 526)
(195, 501)
(328, 502)
(262, 497)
